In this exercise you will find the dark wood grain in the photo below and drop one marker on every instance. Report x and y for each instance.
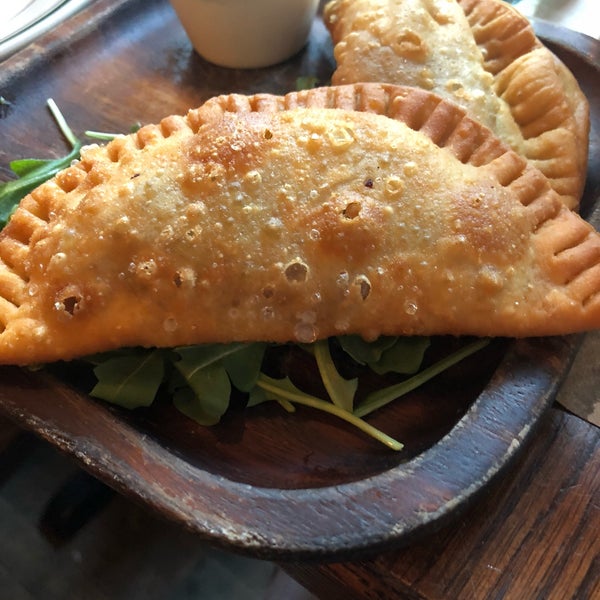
(266, 484)
(531, 535)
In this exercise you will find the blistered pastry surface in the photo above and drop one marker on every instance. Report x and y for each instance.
(376, 210)
(482, 55)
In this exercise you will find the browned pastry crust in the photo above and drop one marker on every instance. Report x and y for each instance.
(368, 209)
(483, 55)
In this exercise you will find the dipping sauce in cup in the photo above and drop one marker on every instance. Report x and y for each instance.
(246, 34)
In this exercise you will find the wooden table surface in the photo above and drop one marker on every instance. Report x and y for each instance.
(532, 534)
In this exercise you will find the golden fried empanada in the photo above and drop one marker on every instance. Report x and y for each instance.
(366, 209)
(481, 54)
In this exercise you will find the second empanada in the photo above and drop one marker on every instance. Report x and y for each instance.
(481, 54)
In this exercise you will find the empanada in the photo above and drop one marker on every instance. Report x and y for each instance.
(367, 209)
(481, 54)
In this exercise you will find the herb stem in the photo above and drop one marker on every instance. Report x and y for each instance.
(341, 391)
(102, 135)
(286, 405)
(386, 395)
(62, 123)
(306, 400)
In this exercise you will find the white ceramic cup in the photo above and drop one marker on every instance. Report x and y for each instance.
(246, 34)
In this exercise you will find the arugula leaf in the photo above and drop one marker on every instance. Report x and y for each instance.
(201, 382)
(363, 352)
(32, 172)
(281, 388)
(11, 192)
(286, 390)
(195, 358)
(206, 392)
(24, 166)
(258, 396)
(102, 357)
(102, 135)
(129, 381)
(341, 391)
(388, 394)
(404, 356)
(306, 82)
(243, 366)
(207, 372)
(207, 397)
(387, 354)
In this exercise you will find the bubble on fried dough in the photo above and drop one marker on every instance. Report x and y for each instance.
(409, 44)
(410, 307)
(296, 271)
(268, 312)
(352, 210)
(268, 291)
(170, 324)
(185, 278)
(364, 286)
(253, 177)
(274, 224)
(343, 282)
(305, 330)
(426, 80)
(145, 269)
(394, 186)
(340, 137)
(69, 301)
(410, 168)
(490, 278)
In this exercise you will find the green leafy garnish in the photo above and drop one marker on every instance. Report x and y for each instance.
(386, 395)
(207, 398)
(101, 135)
(387, 354)
(207, 374)
(243, 366)
(32, 172)
(341, 391)
(129, 380)
(200, 378)
(306, 82)
(286, 390)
